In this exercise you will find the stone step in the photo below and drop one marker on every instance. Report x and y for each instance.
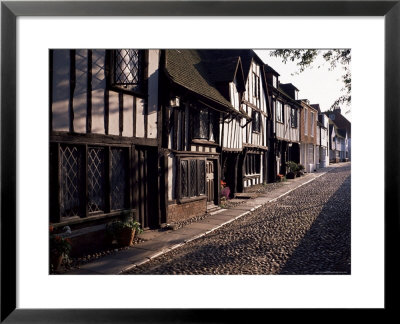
(245, 195)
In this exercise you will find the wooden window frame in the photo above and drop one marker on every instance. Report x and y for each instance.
(281, 104)
(256, 122)
(312, 124)
(293, 117)
(83, 213)
(252, 164)
(256, 85)
(178, 192)
(212, 118)
(305, 122)
(140, 89)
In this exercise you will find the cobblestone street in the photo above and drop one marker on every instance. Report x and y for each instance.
(304, 232)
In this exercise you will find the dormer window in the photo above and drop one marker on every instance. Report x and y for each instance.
(275, 81)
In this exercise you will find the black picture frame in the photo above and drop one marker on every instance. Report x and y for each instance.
(10, 10)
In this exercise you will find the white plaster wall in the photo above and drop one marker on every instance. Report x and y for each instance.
(152, 108)
(139, 117)
(128, 116)
(80, 92)
(98, 89)
(113, 116)
(60, 86)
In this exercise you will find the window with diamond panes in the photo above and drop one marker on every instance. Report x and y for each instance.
(70, 180)
(205, 124)
(202, 177)
(127, 67)
(192, 178)
(96, 179)
(118, 187)
(184, 178)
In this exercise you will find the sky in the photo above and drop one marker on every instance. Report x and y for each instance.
(319, 85)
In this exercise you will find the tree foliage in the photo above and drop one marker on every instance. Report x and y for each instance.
(305, 58)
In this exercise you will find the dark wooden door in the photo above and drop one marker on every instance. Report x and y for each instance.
(145, 186)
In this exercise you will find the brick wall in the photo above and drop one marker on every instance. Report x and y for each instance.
(308, 138)
(184, 211)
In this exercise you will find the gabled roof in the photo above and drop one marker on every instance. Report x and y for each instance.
(187, 69)
(339, 120)
(288, 86)
(269, 69)
(225, 70)
(246, 56)
(316, 106)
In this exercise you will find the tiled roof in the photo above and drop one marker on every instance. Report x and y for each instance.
(188, 69)
(269, 69)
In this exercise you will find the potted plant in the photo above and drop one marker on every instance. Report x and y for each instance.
(123, 230)
(292, 167)
(225, 191)
(279, 177)
(60, 247)
(300, 170)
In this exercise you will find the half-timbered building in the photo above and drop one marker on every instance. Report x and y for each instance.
(286, 112)
(323, 138)
(104, 139)
(344, 126)
(194, 110)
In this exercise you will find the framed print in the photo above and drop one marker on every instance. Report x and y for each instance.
(32, 29)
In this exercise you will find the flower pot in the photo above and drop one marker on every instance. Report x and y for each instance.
(125, 237)
(290, 175)
(55, 260)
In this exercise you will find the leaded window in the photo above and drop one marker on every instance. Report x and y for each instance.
(279, 111)
(118, 188)
(293, 117)
(256, 85)
(184, 178)
(256, 121)
(205, 124)
(70, 180)
(127, 65)
(101, 170)
(96, 179)
(192, 178)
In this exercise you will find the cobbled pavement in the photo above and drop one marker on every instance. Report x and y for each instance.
(304, 232)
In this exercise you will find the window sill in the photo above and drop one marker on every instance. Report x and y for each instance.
(256, 132)
(191, 199)
(252, 176)
(129, 90)
(203, 141)
(75, 220)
